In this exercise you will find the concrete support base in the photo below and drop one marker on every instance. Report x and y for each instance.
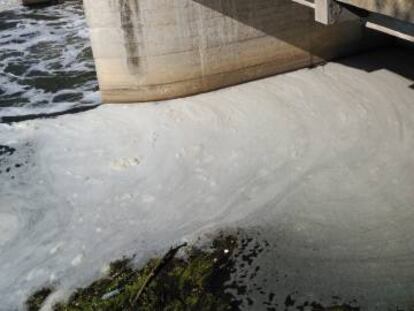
(160, 49)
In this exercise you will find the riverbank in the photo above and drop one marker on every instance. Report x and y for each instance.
(208, 275)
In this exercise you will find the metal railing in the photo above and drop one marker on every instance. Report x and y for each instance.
(328, 12)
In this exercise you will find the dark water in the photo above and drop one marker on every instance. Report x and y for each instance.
(46, 63)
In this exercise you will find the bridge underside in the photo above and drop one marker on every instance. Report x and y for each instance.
(394, 17)
(400, 9)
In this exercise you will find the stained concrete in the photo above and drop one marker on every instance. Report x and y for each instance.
(159, 49)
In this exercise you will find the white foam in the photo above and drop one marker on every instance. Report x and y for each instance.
(310, 154)
(9, 4)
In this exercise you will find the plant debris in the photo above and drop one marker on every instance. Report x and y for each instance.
(35, 301)
(196, 280)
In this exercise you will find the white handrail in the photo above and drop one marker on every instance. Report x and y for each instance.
(389, 31)
(305, 2)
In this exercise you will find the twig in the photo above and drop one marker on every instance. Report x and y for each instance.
(154, 272)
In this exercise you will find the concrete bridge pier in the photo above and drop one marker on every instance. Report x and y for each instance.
(159, 49)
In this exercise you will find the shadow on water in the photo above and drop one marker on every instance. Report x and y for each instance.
(398, 60)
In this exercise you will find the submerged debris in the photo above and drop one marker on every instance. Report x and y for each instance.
(6, 150)
(202, 278)
(35, 301)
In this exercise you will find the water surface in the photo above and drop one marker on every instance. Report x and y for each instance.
(46, 63)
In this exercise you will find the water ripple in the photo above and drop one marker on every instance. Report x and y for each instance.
(46, 63)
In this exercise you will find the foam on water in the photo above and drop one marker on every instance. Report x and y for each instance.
(46, 63)
(320, 161)
(9, 4)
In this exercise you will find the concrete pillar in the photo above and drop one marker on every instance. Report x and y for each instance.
(160, 49)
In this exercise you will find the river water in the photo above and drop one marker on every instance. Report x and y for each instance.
(46, 63)
(316, 164)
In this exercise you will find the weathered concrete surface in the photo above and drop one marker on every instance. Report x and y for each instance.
(400, 9)
(160, 49)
